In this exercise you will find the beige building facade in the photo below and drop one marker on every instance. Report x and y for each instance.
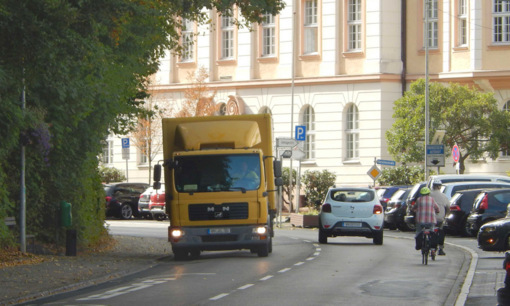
(336, 67)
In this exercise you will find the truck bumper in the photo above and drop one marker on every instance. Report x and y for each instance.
(216, 238)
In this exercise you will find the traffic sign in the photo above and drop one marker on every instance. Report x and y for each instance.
(125, 143)
(298, 152)
(374, 172)
(286, 142)
(301, 132)
(456, 153)
(125, 153)
(386, 162)
(435, 156)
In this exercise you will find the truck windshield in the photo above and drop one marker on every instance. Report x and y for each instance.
(215, 173)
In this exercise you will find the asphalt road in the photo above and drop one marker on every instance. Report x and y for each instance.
(346, 271)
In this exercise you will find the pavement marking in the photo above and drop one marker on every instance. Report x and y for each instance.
(219, 296)
(468, 281)
(284, 270)
(266, 278)
(126, 289)
(299, 263)
(245, 286)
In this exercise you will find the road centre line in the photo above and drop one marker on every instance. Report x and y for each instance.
(265, 278)
(245, 286)
(284, 270)
(219, 296)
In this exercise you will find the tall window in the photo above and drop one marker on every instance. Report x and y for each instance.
(143, 153)
(431, 31)
(501, 21)
(311, 27)
(309, 123)
(354, 25)
(268, 35)
(227, 36)
(352, 132)
(187, 41)
(463, 28)
(107, 154)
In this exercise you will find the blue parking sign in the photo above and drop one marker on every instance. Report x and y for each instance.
(300, 132)
(125, 143)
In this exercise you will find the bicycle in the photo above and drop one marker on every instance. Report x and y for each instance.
(427, 245)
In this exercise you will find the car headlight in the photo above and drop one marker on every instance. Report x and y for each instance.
(488, 229)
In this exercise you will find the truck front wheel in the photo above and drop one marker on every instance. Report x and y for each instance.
(264, 250)
(180, 254)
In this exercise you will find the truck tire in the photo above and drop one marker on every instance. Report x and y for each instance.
(180, 254)
(263, 251)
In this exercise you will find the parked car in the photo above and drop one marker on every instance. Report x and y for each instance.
(396, 210)
(351, 211)
(495, 235)
(386, 192)
(489, 205)
(461, 205)
(143, 203)
(450, 189)
(452, 178)
(157, 204)
(413, 195)
(122, 199)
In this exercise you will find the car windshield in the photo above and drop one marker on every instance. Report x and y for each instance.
(398, 195)
(215, 173)
(352, 195)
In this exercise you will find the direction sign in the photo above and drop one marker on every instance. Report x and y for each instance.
(386, 162)
(286, 142)
(374, 172)
(435, 156)
(455, 153)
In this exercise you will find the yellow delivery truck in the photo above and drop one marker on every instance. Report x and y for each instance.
(221, 177)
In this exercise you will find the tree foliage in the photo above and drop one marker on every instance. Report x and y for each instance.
(471, 118)
(317, 184)
(401, 175)
(83, 67)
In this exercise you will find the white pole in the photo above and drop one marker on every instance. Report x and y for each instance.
(292, 99)
(427, 10)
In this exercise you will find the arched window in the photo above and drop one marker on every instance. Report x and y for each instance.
(309, 122)
(265, 110)
(352, 132)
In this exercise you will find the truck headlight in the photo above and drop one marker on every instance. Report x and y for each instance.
(261, 230)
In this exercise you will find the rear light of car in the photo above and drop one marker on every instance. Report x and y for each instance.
(455, 208)
(485, 202)
(378, 209)
(326, 207)
(108, 199)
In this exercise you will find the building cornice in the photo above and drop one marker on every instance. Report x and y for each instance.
(347, 79)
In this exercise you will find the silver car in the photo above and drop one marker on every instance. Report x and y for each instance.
(351, 211)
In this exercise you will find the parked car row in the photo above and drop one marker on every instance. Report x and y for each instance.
(478, 207)
(139, 200)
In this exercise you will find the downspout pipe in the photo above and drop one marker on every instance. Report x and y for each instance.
(403, 41)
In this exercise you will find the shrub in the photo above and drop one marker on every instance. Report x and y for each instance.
(316, 186)
(111, 174)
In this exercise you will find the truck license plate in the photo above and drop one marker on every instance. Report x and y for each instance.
(219, 230)
(352, 224)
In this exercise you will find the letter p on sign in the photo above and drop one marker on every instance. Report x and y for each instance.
(300, 132)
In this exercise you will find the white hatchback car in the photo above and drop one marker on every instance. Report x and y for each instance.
(351, 211)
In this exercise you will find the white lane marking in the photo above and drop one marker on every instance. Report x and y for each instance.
(266, 278)
(310, 258)
(284, 270)
(299, 263)
(126, 289)
(219, 296)
(245, 286)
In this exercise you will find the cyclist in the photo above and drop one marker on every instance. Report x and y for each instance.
(444, 209)
(425, 209)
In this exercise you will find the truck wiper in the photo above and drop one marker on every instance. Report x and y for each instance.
(243, 190)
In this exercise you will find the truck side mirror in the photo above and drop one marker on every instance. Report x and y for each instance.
(278, 182)
(157, 176)
(277, 165)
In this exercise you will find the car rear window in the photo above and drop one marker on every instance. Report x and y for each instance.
(352, 195)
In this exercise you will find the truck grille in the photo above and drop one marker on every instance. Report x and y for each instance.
(225, 211)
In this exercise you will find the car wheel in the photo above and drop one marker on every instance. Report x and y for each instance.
(323, 237)
(126, 212)
(378, 238)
